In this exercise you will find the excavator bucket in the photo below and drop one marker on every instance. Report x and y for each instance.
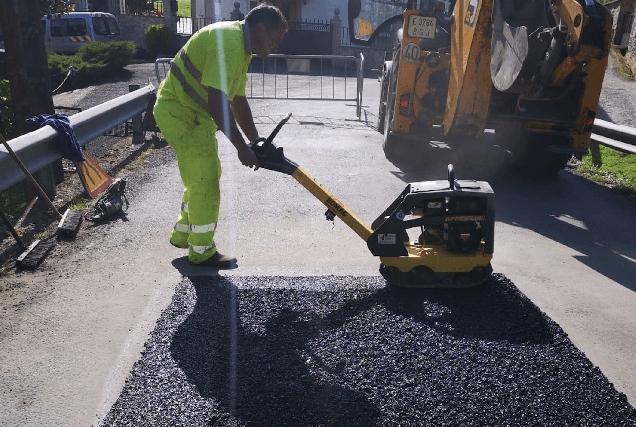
(514, 52)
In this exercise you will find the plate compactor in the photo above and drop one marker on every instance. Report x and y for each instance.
(455, 221)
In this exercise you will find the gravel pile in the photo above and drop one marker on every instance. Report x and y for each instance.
(234, 351)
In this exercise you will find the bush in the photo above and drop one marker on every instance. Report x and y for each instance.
(159, 39)
(92, 62)
(114, 56)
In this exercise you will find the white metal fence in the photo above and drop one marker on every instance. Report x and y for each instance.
(302, 77)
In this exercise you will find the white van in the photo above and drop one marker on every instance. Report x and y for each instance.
(67, 32)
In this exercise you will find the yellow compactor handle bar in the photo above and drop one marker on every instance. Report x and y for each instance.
(272, 157)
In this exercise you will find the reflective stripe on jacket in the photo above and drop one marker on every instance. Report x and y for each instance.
(215, 56)
(187, 87)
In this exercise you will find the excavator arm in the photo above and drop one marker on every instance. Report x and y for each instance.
(469, 86)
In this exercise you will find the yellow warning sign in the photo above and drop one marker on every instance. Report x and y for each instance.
(364, 28)
(94, 178)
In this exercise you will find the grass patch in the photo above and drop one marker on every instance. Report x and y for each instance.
(624, 69)
(183, 8)
(612, 168)
(78, 204)
(6, 110)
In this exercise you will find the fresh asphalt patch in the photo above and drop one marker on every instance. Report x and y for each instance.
(335, 351)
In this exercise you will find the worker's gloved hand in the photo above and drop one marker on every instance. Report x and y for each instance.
(259, 139)
(247, 157)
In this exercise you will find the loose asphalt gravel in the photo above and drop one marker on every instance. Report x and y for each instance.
(318, 351)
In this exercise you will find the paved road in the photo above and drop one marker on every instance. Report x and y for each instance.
(567, 244)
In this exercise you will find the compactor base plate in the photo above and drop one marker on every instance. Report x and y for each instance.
(424, 277)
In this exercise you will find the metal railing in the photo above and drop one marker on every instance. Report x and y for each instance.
(38, 149)
(299, 77)
(618, 137)
(189, 25)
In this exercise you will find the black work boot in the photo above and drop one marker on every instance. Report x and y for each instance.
(219, 261)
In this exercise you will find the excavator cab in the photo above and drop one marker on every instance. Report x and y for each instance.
(368, 18)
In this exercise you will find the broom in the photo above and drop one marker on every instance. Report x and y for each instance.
(68, 226)
(33, 255)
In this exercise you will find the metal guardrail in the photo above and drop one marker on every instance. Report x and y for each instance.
(293, 78)
(619, 137)
(38, 149)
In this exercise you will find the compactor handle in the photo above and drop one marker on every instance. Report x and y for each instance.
(271, 136)
(271, 157)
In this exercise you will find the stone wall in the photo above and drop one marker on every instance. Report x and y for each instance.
(373, 57)
(133, 28)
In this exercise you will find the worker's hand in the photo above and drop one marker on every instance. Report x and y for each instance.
(247, 157)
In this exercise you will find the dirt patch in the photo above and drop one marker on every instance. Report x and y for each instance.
(122, 160)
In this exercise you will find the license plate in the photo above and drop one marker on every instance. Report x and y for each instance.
(422, 27)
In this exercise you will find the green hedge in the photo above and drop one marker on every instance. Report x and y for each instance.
(160, 39)
(94, 61)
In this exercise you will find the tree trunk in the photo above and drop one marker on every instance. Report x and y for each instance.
(28, 73)
(27, 67)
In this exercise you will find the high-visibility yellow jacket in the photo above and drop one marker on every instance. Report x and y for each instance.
(216, 56)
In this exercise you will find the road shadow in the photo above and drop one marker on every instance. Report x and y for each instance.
(602, 114)
(592, 220)
(566, 208)
(258, 378)
(480, 158)
(253, 348)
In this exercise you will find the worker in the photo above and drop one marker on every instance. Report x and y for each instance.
(203, 92)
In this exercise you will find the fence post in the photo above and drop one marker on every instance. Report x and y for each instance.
(138, 132)
(336, 30)
(170, 14)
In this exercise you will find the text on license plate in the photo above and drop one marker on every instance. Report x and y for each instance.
(422, 27)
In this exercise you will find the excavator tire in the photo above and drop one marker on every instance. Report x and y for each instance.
(392, 144)
(382, 107)
(532, 157)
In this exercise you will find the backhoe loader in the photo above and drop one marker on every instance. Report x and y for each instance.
(532, 70)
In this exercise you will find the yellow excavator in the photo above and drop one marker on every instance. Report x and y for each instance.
(532, 70)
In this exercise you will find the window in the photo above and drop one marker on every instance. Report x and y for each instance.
(113, 25)
(68, 27)
(58, 28)
(105, 26)
(101, 27)
(76, 27)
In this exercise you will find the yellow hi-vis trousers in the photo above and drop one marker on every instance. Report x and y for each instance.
(194, 142)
